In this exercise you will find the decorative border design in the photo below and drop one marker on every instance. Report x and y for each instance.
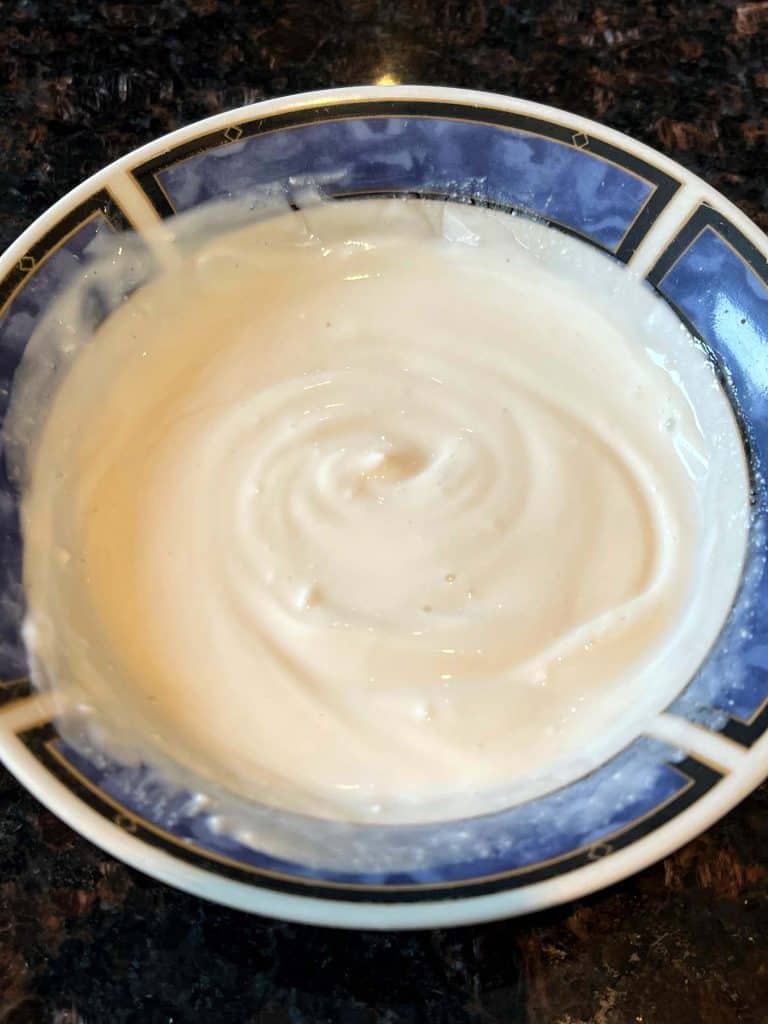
(743, 732)
(41, 741)
(664, 185)
(747, 732)
(100, 203)
(12, 690)
(705, 216)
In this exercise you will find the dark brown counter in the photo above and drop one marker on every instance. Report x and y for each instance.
(84, 940)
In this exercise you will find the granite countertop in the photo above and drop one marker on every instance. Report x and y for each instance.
(85, 940)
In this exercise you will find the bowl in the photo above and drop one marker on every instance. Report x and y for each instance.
(686, 764)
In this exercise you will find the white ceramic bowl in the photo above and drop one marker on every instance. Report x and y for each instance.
(690, 763)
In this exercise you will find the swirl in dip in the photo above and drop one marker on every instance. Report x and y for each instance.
(384, 510)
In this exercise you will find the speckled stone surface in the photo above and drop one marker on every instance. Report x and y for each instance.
(84, 940)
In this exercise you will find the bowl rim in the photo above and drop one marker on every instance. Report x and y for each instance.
(746, 770)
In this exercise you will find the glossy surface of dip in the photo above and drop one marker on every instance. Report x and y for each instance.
(385, 511)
